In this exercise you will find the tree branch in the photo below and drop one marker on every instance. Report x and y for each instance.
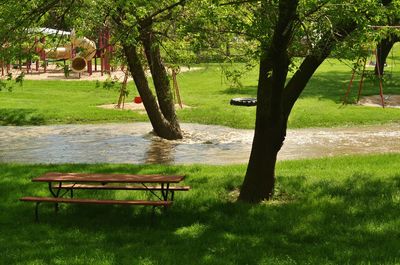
(238, 2)
(170, 7)
(312, 61)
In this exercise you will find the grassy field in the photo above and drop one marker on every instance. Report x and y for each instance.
(328, 211)
(52, 102)
(342, 210)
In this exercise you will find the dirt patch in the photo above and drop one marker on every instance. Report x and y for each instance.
(391, 101)
(54, 73)
(136, 107)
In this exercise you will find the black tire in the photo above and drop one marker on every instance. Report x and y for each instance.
(248, 102)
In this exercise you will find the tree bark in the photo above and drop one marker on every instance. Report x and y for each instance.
(162, 127)
(275, 101)
(161, 108)
(159, 75)
(270, 129)
(383, 49)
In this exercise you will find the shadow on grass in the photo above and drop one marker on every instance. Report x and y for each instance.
(332, 86)
(350, 222)
(20, 117)
(250, 91)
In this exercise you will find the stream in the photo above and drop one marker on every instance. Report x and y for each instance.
(203, 144)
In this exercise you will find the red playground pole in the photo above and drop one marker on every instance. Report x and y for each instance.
(28, 66)
(89, 66)
(101, 52)
(108, 47)
(360, 87)
(37, 52)
(380, 79)
(349, 87)
(43, 54)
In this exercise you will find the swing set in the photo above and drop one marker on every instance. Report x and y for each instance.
(362, 61)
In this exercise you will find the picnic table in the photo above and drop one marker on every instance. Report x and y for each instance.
(61, 184)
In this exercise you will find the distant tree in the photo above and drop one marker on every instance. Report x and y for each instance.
(390, 34)
(383, 49)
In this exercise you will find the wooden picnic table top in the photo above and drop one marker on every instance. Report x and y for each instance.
(105, 178)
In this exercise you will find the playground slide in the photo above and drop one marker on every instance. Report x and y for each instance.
(84, 48)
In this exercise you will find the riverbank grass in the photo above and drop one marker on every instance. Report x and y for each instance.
(206, 92)
(342, 210)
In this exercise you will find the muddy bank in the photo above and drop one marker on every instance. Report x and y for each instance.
(390, 101)
(134, 143)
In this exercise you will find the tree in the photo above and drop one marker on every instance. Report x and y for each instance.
(382, 50)
(276, 93)
(140, 27)
(162, 112)
(390, 35)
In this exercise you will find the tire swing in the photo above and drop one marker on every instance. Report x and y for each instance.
(248, 102)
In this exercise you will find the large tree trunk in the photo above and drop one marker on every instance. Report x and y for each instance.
(269, 134)
(270, 129)
(275, 101)
(160, 77)
(161, 108)
(383, 49)
(162, 127)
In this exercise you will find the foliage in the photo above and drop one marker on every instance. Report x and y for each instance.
(20, 79)
(110, 83)
(8, 84)
(3, 85)
(65, 67)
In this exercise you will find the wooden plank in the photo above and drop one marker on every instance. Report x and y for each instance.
(95, 201)
(105, 178)
(115, 187)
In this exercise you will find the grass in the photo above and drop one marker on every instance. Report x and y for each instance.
(52, 102)
(341, 210)
(55, 102)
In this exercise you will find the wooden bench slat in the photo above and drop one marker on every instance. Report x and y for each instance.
(100, 177)
(96, 201)
(115, 187)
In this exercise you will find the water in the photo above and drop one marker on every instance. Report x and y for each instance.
(205, 144)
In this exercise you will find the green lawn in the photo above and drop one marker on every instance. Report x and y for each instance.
(343, 210)
(52, 102)
(328, 211)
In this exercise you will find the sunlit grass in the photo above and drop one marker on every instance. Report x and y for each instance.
(327, 211)
(208, 95)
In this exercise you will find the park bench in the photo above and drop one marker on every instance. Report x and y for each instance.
(81, 181)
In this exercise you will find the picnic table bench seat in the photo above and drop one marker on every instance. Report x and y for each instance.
(57, 200)
(95, 201)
